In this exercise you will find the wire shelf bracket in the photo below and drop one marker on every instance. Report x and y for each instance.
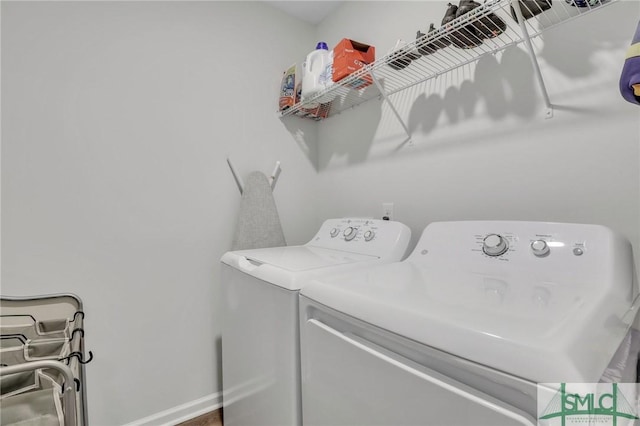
(393, 108)
(515, 4)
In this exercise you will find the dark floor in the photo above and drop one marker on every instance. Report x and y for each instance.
(213, 418)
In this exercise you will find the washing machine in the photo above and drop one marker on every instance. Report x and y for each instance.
(260, 330)
(463, 330)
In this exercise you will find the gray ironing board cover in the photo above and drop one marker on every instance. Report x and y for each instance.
(258, 223)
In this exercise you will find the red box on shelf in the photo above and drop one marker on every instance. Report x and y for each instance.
(350, 56)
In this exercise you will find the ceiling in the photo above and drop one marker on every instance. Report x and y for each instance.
(310, 11)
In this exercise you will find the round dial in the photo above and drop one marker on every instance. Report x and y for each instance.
(494, 245)
(350, 233)
(368, 236)
(540, 248)
(334, 232)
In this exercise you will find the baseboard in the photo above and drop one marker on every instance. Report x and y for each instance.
(182, 413)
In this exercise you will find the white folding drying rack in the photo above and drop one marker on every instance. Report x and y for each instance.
(43, 359)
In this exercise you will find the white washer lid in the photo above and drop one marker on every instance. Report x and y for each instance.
(303, 258)
(293, 266)
(565, 338)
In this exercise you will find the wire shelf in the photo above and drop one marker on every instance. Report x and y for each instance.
(487, 29)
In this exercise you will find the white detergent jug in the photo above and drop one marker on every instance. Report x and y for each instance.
(314, 73)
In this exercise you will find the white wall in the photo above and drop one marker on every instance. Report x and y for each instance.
(117, 121)
(482, 148)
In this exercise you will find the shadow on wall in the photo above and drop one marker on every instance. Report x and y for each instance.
(505, 87)
(570, 41)
(501, 87)
(358, 128)
(305, 133)
(360, 136)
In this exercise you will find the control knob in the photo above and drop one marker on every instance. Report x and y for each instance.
(368, 236)
(540, 248)
(334, 232)
(350, 233)
(494, 245)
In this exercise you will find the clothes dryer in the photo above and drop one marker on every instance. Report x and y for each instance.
(260, 330)
(463, 330)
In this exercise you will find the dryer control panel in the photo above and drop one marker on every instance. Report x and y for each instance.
(503, 243)
(542, 259)
(539, 244)
(381, 238)
(542, 243)
(536, 273)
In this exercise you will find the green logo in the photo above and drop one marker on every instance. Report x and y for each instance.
(598, 407)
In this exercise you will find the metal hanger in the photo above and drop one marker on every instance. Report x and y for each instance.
(73, 333)
(78, 356)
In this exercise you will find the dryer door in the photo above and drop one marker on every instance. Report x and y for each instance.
(350, 381)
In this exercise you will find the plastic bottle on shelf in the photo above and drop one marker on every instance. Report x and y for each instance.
(316, 74)
(326, 80)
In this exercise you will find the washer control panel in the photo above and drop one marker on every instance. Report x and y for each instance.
(350, 233)
(356, 229)
(366, 236)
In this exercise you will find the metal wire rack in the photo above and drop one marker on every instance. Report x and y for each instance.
(43, 360)
(487, 29)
